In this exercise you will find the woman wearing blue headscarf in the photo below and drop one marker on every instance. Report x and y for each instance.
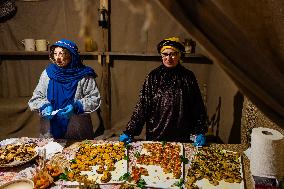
(65, 94)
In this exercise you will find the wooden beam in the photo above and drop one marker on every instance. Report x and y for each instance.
(106, 76)
(106, 92)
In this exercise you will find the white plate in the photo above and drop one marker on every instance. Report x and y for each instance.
(50, 148)
(8, 141)
(18, 184)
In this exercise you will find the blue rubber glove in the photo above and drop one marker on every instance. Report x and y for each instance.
(200, 140)
(66, 112)
(46, 112)
(125, 138)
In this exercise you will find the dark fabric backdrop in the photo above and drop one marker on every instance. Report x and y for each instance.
(246, 39)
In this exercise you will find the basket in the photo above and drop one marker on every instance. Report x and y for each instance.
(7, 9)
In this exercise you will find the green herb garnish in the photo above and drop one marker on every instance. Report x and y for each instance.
(87, 142)
(164, 143)
(141, 183)
(125, 176)
(179, 183)
(183, 159)
(64, 176)
(137, 154)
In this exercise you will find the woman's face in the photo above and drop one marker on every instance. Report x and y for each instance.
(170, 58)
(62, 57)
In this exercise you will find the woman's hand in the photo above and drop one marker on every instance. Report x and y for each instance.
(46, 112)
(66, 112)
(200, 140)
(125, 138)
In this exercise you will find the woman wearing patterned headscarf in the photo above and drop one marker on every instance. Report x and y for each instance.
(170, 101)
(66, 93)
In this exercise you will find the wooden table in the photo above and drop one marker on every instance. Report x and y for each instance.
(9, 174)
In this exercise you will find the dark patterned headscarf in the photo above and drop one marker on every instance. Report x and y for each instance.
(172, 43)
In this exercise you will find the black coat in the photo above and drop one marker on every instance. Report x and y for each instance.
(170, 104)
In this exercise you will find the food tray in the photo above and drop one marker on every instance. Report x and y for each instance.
(106, 152)
(156, 177)
(221, 159)
(15, 162)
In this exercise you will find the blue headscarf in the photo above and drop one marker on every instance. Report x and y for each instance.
(63, 84)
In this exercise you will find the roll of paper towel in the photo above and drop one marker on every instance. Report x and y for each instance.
(267, 153)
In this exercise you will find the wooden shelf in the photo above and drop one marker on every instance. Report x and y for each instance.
(136, 56)
(189, 58)
(38, 55)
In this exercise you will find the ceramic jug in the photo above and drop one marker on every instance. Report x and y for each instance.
(41, 44)
(29, 44)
